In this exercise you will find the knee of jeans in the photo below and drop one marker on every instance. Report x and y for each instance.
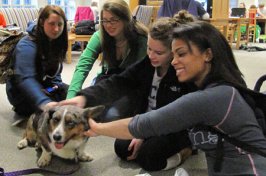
(112, 114)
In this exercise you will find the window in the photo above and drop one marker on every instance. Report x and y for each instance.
(18, 3)
(233, 4)
(67, 5)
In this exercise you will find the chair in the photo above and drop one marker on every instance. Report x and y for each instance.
(156, 6)
(226, 28)
(231, 33)
(20, 16)
(252, 24)
(143, 14)
(154, 3)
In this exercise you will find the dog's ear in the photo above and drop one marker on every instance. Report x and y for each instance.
(93, 112)
(35, 119)
(44, 126)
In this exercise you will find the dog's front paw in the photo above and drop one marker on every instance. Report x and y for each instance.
(45, 159)
(85, 157)
(37, 145)
(22, 144)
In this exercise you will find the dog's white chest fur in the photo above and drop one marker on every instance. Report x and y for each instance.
(69, 151)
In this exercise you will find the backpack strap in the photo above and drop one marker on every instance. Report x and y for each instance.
(243, 145)
(220, 147)
(219, 154)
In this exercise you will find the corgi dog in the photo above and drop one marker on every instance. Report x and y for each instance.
(59, 131)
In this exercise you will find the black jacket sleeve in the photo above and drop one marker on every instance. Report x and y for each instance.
(109, 90)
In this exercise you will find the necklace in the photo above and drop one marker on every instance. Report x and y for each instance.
(120, 44)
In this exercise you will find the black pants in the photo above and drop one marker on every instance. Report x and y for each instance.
(28, 107)
(154, 152)
(262, 26)
(120, 109)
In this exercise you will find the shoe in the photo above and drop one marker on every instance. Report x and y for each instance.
(20, 121)
(181, 172)
(178, 158)
(185, 153)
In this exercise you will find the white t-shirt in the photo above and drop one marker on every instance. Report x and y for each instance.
(95, 12)
(153, 92)
(263, 11)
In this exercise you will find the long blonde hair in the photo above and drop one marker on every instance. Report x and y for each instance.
(163, 27)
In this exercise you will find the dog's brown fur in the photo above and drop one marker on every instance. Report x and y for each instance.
(59, 131)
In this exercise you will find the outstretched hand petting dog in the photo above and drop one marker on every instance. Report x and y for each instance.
(79, 101)
(117, 129)
(93, 126)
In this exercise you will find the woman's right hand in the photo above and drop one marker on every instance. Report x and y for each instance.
(135, 145)
(79, 101)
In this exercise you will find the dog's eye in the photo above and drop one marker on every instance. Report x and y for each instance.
(70, 123)
(56, 120)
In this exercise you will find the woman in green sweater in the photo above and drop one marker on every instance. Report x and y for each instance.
(121, 40)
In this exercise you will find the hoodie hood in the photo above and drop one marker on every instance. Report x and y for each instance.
(32, 28)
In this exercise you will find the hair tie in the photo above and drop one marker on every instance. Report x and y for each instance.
(135, 19)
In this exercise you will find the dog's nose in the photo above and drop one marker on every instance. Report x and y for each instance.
(57, 137)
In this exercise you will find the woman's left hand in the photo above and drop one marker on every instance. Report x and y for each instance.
(135, 144)
(79, 101)
(55, 87)
(47, 93)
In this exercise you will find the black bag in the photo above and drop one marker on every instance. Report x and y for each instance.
(85, 27)
(7, 45)
(84, 30)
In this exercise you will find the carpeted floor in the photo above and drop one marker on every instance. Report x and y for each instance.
(106, 163)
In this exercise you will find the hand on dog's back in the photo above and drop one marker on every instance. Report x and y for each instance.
(78, 101)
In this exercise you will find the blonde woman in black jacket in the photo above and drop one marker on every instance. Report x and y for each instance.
(156, 85)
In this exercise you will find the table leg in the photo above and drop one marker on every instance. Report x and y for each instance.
(238, 34)
(82, 46)
(69, 52)
(265, 28)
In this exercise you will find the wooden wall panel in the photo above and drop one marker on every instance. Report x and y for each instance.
(220, 8)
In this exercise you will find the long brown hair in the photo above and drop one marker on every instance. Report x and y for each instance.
(52, 52)
(132, 29)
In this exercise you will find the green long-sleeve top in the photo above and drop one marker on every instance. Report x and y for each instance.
(90, 55)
